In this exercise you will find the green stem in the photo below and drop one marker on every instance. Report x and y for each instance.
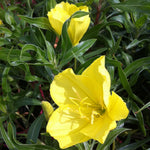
(75, 64)
(80, 146)
(92, 145)
(113, 146)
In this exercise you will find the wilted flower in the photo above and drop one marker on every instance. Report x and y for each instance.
(77, 26)
(87, 109)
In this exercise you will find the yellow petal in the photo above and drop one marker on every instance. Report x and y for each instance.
(67, 88)
(65, 120)
(93, 89)
(71, 139)
(117, 108)
(100, 128)
(70, 8)
(57, 18)
(47, 108)
(77, 28)
(98, 72)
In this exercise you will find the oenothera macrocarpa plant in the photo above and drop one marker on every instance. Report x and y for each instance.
(87, 109)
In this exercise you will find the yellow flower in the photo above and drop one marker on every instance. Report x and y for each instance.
(87, 109)
(77, 26)
(1, 22)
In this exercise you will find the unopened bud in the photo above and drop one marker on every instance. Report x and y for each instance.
(48, 109)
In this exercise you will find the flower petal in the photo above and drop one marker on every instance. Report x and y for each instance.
(77, 28)
(117, 108)
(65, 120)
(71, 139)
(67, 88)
(57, 18)
(100, 128)
(98, 72)
(93, 89)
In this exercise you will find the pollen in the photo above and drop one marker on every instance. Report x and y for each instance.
(96, 114)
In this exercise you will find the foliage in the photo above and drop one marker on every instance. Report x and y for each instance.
(31, 55)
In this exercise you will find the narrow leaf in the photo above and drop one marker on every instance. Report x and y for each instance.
(6, 138)
(134, 6)
(140, 118)
(78, 50)
(40, 22)
(136, 145)
(131, 68)
(144, 107)
(26, 101)
(66, 42)
(34, 129)
(79, 14)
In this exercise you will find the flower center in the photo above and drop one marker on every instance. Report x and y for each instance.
(90, 110)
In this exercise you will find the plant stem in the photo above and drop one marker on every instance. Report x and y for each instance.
(113, 146)
(75, 64)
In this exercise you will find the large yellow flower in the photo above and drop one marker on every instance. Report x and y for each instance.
(87, 109)
(77, 26)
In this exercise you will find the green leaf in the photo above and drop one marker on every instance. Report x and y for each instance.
(95, 53)
(6, 31)
(34, 129)
(93, 32)
(3, 108)
(11, 130)
(139, 116)
(3, 42)
(123, 79)
(40, 22)
(131, 68)
(50, 4)
(141, 21)
(136, 145)
(79, 14)
(111, 137)
(66, 42)
(35, 147)
(142, 6)
(5, 85)
(26, 101)
(135, 42)
(144, 107)
(29, 77)
(9, 17)
(13, 144)
(6, 138)
(126, 85)
(2, 13)
(11, 55)
(86, 2)
(50, 52)
(135, 76)
(77, 51)
(40, 54)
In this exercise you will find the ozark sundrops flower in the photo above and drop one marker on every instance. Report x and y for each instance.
(77, 27)
(87, 109)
